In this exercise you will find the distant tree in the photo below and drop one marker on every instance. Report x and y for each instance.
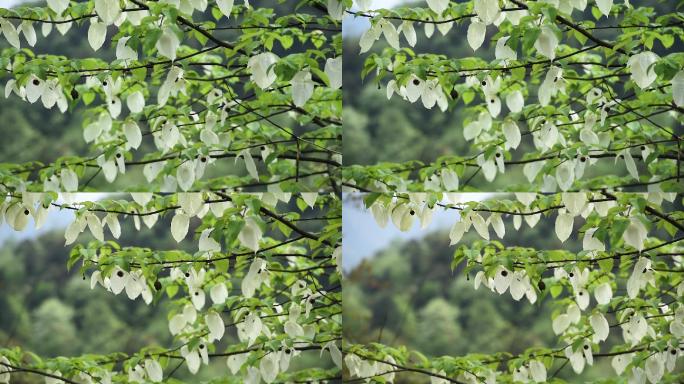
(52, 324)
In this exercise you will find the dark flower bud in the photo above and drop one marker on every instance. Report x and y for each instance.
(157, 285)
(541, 285)
(454, 94)
(74, 94)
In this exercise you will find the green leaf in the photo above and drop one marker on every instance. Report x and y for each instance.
(171, 290)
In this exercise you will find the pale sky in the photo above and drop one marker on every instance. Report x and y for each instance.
(362, 237)
(8, 3)
(384, 3)
(355, 26)
(57, 218)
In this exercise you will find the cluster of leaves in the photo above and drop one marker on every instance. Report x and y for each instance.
(266, 271)
(583, 82)
(630, 262)
(203, 83)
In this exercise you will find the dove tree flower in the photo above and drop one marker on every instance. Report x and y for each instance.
(616, 298)
(259, 313)
(167, 90)
(584, 96)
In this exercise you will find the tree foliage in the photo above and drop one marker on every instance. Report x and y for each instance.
(623, 283)
(191, 94)
(262, 273)
(561, 87)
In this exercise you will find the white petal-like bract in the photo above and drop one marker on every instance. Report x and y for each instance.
(642, 68)
(678, 89)
(107, 10)
(563, 226)
(133, 134)
(97, 34)
(604, 6)
(135, 101)
(250, 234)
(333, 69)
(225, 6)
(168, 43)
(302, 87)
(438, 6)
(547, 42)
(179, 226)
(58, 6)
(261, 67)
(476, 33)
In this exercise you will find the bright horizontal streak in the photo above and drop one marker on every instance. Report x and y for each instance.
(9, 3)
(78, 197)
